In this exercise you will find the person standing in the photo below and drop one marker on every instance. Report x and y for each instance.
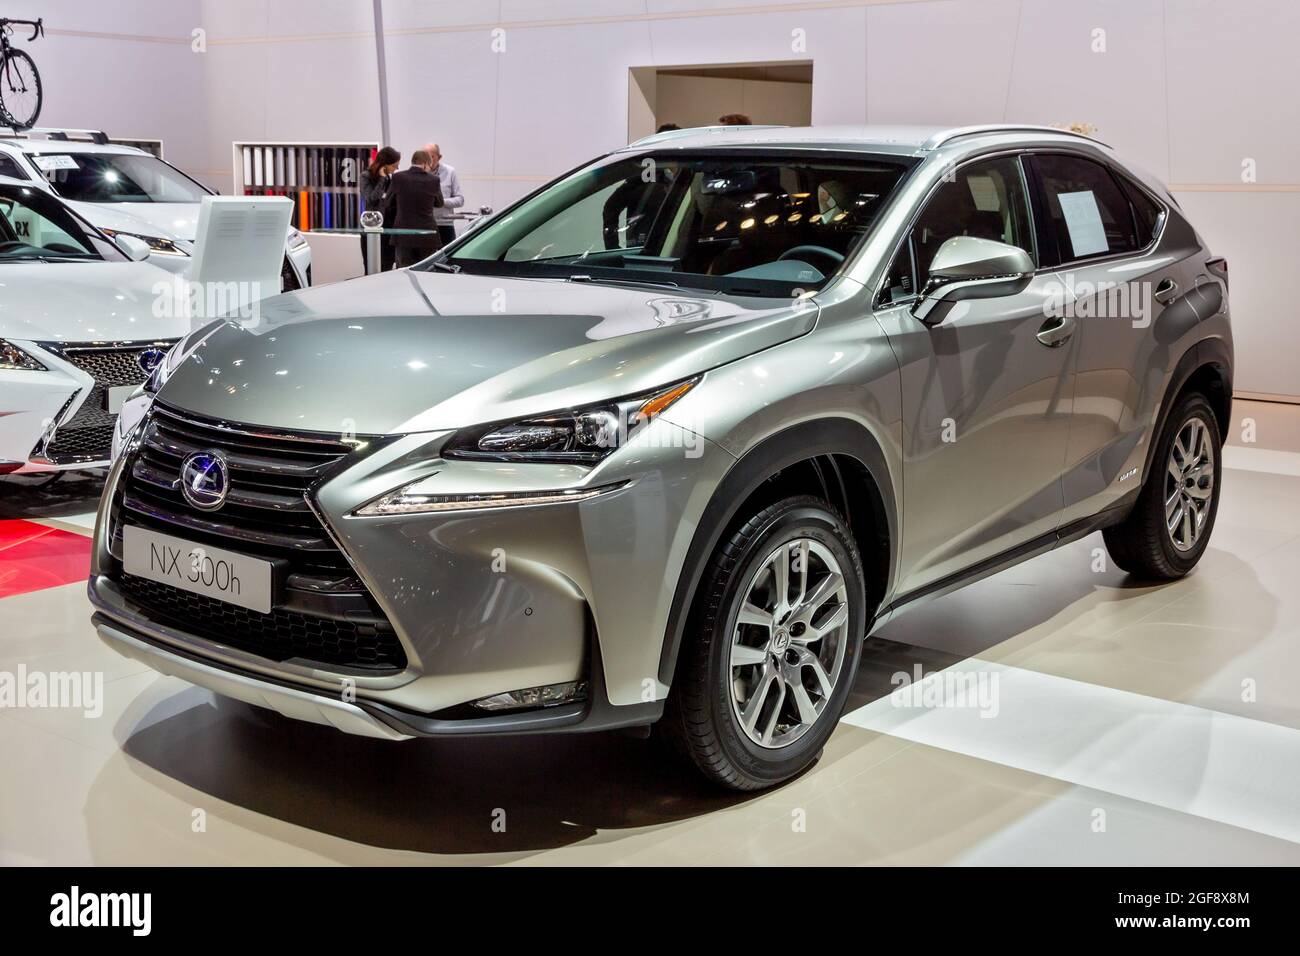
(416, 193)
(375, 182)
(452, 197)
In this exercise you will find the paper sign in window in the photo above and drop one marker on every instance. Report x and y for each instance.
(50, 163)
(1083, 220)
(985, 193)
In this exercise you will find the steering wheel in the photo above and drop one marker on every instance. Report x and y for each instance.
(794, 253)
(9, 245)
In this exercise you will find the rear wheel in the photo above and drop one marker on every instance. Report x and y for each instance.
(772, 647)
(1169, 528)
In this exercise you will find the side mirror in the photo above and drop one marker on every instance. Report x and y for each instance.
(135, 249)
(969, 268)
(483, 213)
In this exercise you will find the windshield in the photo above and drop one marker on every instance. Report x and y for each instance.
(738, 224)
(116, 177)
(34, 225)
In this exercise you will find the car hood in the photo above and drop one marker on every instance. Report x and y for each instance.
(426, 351)
(170, 220)
(87, 302)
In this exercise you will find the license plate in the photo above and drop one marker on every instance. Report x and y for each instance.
(198, 568)
(115, 397)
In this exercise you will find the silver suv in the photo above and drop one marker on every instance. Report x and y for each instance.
(660, 443)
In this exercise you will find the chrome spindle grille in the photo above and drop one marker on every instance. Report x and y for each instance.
(323, 612)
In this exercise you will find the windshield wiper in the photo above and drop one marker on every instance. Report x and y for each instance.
(657, 283)
(445, 266)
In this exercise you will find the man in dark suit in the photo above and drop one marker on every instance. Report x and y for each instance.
(415, 193)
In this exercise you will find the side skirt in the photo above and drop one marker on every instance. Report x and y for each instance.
(1000, 562)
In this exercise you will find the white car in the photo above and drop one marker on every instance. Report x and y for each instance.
(80, 330)
(123, 190)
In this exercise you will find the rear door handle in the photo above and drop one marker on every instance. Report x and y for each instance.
(1056, 332)
(1165, 291)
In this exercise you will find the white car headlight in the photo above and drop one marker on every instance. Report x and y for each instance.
(14, 358)
(157, 244)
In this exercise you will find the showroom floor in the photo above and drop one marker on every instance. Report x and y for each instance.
(1129, 725)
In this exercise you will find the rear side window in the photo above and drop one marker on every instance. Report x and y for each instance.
(1087, 214)
(1146, 211)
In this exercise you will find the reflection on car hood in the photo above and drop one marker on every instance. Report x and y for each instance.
(85, 302)
(424, 351)
(170, 220)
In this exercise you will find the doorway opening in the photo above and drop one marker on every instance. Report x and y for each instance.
(777, 93)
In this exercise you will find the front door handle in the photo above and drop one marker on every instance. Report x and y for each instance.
(1165, 291)
(1056, 332)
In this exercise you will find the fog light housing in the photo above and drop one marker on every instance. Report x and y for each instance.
(548, 695)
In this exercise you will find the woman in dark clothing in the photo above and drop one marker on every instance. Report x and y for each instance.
(375, 181)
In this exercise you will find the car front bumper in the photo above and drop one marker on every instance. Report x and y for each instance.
(483, 602)
(54, 420)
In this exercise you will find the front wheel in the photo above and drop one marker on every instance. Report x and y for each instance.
(20, 91)
(771, 648)
(1169, 527)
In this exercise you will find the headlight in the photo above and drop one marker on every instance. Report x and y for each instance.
(579, 436)
(296, 239)
(156, 244)
(12, 357)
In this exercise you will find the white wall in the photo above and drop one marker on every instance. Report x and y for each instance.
(286, 70)
(1188, 89)
(124, 67)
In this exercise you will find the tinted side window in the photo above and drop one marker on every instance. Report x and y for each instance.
(985, 200)
(1087, 214)
(1146, 211)
(9, 167)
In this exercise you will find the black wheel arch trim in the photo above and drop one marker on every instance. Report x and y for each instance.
(1210, 352)
(802, 442)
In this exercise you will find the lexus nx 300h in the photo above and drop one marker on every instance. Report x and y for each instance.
(661, 442)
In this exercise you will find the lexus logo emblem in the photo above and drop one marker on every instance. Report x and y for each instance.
(149, 359)
(205, 480)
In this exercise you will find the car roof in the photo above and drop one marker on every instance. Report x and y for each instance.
(904, 140)
(26, 145)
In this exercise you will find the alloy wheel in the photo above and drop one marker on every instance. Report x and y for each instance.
(1189, 483)
(789, 642)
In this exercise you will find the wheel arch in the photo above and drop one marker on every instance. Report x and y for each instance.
(1205, 367)
(834, 458)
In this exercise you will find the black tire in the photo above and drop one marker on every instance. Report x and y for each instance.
(1142, 544)
(699, 722)
(19, 63)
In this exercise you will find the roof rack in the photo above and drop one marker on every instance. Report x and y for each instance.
(57, 133)
(671, 134)
(940, 139)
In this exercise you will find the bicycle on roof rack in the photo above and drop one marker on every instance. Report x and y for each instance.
(20, 83)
